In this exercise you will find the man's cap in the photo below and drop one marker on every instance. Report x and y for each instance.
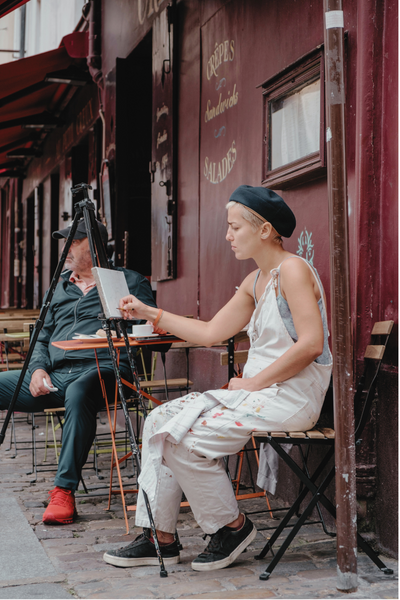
(80, 232)
(267, 205)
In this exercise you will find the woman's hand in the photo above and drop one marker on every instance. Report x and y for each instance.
(238, 383)
(158, 330)
(132, 308)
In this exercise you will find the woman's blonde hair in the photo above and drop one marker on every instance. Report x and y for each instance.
(254, 220)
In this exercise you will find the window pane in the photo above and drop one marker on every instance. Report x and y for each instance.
(295, 125)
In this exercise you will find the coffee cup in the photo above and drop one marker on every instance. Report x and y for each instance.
(142, 330)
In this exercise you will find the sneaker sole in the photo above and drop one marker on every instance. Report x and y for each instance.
(119, 561)
(55, 522)
(50, 521)
(225, 562)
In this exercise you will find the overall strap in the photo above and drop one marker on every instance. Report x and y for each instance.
(313, 271)
(254, 286)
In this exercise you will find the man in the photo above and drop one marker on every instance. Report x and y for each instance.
(74, 309)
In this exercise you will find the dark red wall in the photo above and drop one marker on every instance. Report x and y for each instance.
(267, 38)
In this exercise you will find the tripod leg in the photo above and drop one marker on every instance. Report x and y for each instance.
(132, 364)
(39, 324)
(132, 438)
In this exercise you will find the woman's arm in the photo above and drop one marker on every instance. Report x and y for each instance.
(297, 285)
(226, 323)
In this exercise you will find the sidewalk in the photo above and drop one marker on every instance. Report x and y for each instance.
(38, 561)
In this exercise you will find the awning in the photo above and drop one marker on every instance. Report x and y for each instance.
(31, 93)
(7, 6)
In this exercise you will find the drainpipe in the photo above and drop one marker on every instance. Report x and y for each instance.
(346, 510)
(94, 57)
(95, 69)
(94, 53)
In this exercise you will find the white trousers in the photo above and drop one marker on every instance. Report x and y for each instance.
(186, 468)
(195, 465)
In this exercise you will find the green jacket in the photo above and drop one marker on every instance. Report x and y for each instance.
(71, 312)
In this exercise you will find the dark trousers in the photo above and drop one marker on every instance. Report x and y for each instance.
(80, 392)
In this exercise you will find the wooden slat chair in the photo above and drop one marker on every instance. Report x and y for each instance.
(363, 399)
(50, 414)
(10, 361)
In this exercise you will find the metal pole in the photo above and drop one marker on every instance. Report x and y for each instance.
(346, 519)
(22, 32)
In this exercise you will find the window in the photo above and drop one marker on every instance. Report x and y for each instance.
(294, 145)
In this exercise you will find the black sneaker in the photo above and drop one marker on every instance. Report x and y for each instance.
(142, 551)
(224, 547)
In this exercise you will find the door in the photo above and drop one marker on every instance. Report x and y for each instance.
(163, 149)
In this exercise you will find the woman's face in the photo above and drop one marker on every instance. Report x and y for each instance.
(245, 242)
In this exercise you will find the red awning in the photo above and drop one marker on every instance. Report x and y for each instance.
(28, 97)
(7, 6)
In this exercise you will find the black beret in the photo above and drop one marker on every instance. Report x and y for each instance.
(268, 205)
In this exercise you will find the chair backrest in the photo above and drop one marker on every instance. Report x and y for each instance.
(373, 356)
(239, 357)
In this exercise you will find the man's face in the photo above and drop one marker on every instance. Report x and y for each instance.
(79, 258)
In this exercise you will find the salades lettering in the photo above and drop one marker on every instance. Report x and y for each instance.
(164, 161)
(223, 52)
(217, 172)
(164, 110)
(161, 138)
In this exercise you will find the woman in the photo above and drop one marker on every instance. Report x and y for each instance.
(283, 386)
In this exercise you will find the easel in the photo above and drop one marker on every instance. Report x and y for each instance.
(99, 259)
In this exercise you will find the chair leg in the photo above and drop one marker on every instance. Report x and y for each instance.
(253, 487)
(165, 375)
(54, 436)
(13, 438)
(361, 543)
(365, 547)
(293, 509)
(46, 437)
(34, 457)
(318, 496)
(84, 485)
(288, 540)
(321, 517)
(95, 460)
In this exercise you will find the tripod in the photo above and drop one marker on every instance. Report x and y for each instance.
(99, 259)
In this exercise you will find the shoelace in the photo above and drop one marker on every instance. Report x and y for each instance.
(215, 541)
(61, 497)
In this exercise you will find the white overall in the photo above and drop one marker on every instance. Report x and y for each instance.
(185, 440)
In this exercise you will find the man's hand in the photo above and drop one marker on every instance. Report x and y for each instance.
(36, 387)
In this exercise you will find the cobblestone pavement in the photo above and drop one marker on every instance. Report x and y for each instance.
(71, 565)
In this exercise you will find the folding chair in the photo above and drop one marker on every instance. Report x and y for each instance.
(363, 399)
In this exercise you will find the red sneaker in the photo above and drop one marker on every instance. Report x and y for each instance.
(61, 509)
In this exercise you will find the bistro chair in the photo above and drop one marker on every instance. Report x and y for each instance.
(166, 385)
(12, 358)
(325, 437)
